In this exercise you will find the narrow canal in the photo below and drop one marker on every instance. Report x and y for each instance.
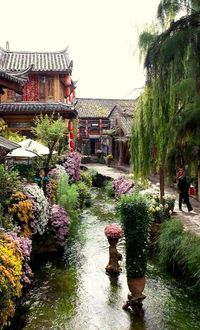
(76, 294)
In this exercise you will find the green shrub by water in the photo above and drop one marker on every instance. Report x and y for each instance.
(86, 177)
(109, 189)
(179, 251)
(83, 193)
(67, 196)
(135, 221)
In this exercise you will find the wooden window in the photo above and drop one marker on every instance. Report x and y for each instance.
(22, 124)
(46, 87)
(50, 86)
(42, 81)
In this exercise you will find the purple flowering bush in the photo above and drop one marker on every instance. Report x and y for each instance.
(122, 185)
(59, 223)
(72, 166)
(113, 231)
(25, 245)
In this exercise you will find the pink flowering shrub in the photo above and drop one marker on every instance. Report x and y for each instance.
(113, 231)
(25, 245)
(59, 223)
(72, 166)
(122, 185)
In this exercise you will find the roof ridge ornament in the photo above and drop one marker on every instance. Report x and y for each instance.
(7, 46)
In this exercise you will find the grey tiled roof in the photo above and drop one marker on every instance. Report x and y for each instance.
(36, 107)
(127, 122)
(100, 108)
(8, 76)
(41, 61)
(7, 144)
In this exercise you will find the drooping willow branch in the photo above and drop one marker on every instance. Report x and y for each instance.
(183, 24)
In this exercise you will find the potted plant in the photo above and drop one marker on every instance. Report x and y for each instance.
(109, 159)
(136, 221)
(113, 232)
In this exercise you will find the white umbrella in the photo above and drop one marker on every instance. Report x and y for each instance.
(36, 147)
(22, 153)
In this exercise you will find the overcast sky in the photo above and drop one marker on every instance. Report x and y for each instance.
(102, 36)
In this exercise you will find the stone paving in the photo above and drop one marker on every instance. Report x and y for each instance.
(191, 220)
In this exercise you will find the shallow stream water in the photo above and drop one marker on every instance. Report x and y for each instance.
(75, 293)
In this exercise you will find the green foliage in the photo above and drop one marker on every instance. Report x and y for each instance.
(167, 114)
(12, 136)
(67, 196)
(109, 189)
(84, 195)
(180, 252)
(86, 177)
(9, 182)
(50, 131)
(135, 221)
(25, 171)
(101, 159)
(168, 9)
(86, 148)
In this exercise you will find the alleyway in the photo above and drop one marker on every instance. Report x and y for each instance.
(190, 220)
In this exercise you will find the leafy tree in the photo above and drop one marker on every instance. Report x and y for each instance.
(50, 131)
(172, 90)
(6, 133)
(10, 181)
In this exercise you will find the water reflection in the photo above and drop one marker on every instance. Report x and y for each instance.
(76, 293)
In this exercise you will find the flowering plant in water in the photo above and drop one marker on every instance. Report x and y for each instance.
(113, 231)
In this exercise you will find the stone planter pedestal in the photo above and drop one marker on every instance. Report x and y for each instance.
(135, 298)
(114, 257)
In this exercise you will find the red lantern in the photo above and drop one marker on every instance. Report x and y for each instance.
(71, 144)
(70, 126)
(71, 135)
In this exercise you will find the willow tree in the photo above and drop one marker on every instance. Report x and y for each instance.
(172, 62)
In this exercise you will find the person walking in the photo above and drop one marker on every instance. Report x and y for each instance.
(183, 189)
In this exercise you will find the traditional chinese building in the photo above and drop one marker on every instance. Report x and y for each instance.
(8, 81)
(93, 124)
(49, 89)
(105, 124)
(121, 121)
